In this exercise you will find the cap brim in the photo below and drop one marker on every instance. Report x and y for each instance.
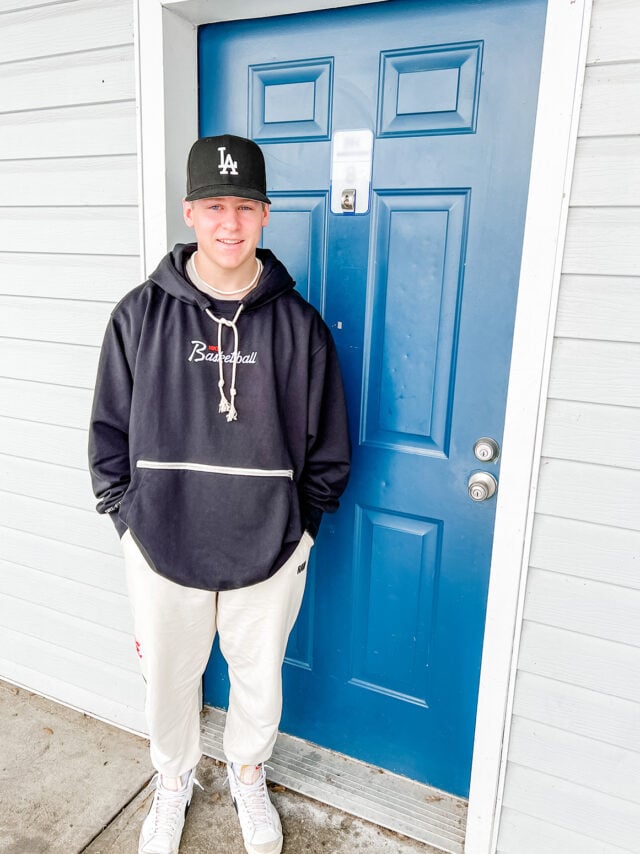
(214, 191)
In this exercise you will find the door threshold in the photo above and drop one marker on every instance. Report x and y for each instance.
(389, 800)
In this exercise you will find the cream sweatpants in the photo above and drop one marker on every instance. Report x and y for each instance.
(174, 631)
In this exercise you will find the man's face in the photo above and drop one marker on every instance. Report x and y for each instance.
(228, 230)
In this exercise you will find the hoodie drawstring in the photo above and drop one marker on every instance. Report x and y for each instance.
(225, 405)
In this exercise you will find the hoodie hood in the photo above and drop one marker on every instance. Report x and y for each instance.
(171, 277)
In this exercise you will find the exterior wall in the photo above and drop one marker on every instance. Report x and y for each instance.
(573, 759)
(68, 250)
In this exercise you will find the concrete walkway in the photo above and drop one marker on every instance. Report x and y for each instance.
(71, 784)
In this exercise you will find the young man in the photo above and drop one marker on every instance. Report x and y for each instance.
(218, 439)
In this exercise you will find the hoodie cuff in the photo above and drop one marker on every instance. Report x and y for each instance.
(312, 519)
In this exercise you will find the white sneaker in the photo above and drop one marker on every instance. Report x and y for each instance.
(162, 828)
(259, 819)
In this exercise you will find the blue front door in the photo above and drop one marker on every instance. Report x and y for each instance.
(420, 294)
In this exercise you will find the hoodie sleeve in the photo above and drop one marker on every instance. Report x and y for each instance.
(109, 427)
(328, 457)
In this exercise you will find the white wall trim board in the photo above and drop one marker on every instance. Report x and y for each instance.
(561, 82)
(166, 56)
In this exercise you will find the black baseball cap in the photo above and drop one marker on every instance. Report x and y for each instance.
(226, 166)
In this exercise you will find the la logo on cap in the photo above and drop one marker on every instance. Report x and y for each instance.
(227, 165)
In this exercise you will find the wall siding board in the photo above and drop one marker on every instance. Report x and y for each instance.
(607, 172)
(92, 278)
(590, 607)
(66, 597)
(63, 524)
(608, 769)
(82, 26)
(97, 642)
(58, 364)
(64, 446)
(72, 131)
(128, 713)
(577, 710)
(58, 81)
(603, 241)
(64, 560)
(607, 435)
(524, 834)
(58, 321)
(605, 308)
(86, 230)
(587, 662)
(578, 808)
(600, 494)
(596, 371)
(65, 181)
(57, 484)
(615, 31)
(71, 664)
(610, 102)
(49, 404)
(597, 552)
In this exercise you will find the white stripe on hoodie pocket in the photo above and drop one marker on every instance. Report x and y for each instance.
(237, 470)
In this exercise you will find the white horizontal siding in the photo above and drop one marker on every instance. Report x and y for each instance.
(603, 241)
(65, 560)
(599, 307)
(69, 181)
(60, 81)
(568, 806)
(82, 27)
(597, 552)
(67, 277)
(573, 775)
(584, 712)
(58, 364)
(68, 252)
(56, 320)
(607, 172)
(596, 372)
(71, 131)
(64, 446)
(528, 835)
(607, 435)
(46, 481)
(53, 521)
(615, 32)
(610, 103)
(88, 230)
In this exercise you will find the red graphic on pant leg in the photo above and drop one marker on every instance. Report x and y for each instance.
(138, 649)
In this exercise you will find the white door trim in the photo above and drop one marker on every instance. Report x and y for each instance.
(166, 32)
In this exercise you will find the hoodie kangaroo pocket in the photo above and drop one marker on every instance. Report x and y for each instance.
(214, 527)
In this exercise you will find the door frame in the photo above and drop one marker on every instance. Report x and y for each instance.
(166, 77)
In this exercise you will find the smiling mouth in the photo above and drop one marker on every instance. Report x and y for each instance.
(229, 242)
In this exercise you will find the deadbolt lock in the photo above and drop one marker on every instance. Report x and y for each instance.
(482, 485)
(486, 450)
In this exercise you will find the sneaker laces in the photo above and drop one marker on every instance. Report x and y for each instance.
(256, 801)
(169, 807)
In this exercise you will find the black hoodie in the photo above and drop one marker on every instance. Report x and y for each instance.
(216, 503)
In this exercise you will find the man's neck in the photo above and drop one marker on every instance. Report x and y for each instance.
(225, 281)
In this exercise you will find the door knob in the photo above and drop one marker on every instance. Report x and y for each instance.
(482, 485)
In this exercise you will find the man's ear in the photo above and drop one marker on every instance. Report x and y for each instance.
(265, 214)
(187, 212)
